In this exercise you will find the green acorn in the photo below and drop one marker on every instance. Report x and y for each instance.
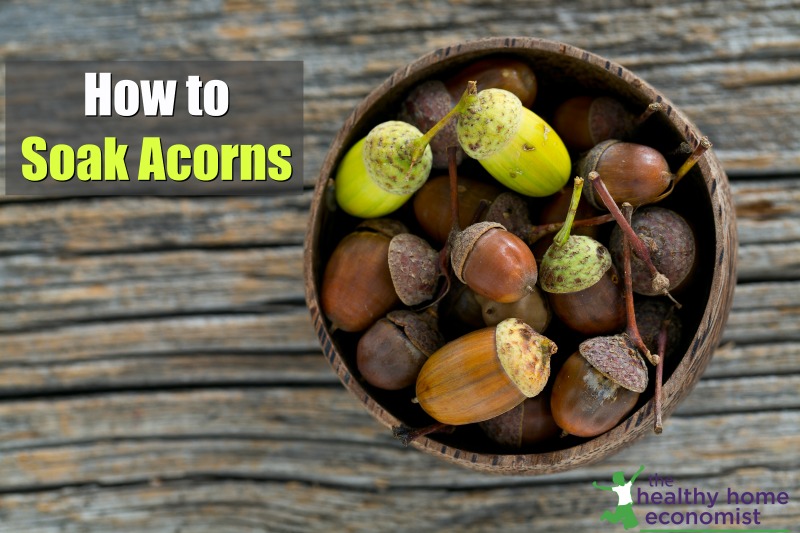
(512, 143)
(383, 170)
(573, 262)
(582, 284)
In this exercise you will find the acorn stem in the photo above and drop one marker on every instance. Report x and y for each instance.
(468, 98)
(659, 280)
(632, 329)
(699, 150)
(535, 233)
(563, 234)
(662, 349)
(407, 435)
(453, 172)
(648, 112)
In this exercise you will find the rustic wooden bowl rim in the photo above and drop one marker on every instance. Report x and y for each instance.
(694, 361)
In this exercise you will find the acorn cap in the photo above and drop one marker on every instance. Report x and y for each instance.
(424, 106)
(388, 152)
(616, 358)
(524, 355)
(487, 125)
(576, 265)
(413, 265)
(420, 328)
(510, 210)
(587, 164)
(464, 241)
(385, 226)
(378, 173)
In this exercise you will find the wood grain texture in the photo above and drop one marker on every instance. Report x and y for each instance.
(731, 65)
(158, 368)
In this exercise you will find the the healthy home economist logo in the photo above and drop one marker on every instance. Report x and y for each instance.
(665, 505)
(624, 511)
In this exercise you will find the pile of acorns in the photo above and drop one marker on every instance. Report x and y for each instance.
(458, 306)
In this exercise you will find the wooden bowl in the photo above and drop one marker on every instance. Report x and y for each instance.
(703, 197)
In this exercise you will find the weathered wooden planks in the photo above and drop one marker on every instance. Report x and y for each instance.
(238, 505)
(283, 434)
(157, 368)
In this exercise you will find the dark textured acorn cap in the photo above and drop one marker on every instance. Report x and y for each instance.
(386, 226)
(510, 210)
(616, 358)
(574, 266)
(413, 265)
(428, 103)
(420, 328)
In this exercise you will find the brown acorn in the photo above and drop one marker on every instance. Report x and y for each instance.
(460, 309)
(530, 422)
(390, 354)
(584, 121)
(582, 285)
(357, 286)
(597, 386)
(650, 316)
(494, 262)
(533, 309)
(506, 73)
(484, 373)
(633, 173)
(436, 222)
(672, 247)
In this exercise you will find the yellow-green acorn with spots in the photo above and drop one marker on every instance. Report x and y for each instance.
(383, 170)
(513, 143)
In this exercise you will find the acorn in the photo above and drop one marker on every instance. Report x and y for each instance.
(532, 309)
(484, 373)
(659, 283)
(493, 262)
(584, 121)
(531, 422)
(390, 354)
(553, 212)
(436, 221)
(379, 173)
(632, 172)
(357, 287)
(671, 243)
(598, 386)
(427, 104)
(506, 73)
(650, 315)
(460, 309)
(582, 284)
(511, 142)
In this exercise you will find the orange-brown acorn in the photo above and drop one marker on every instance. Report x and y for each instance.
(484, 373)
(357, 286)
(493, 262)
(598, 386)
